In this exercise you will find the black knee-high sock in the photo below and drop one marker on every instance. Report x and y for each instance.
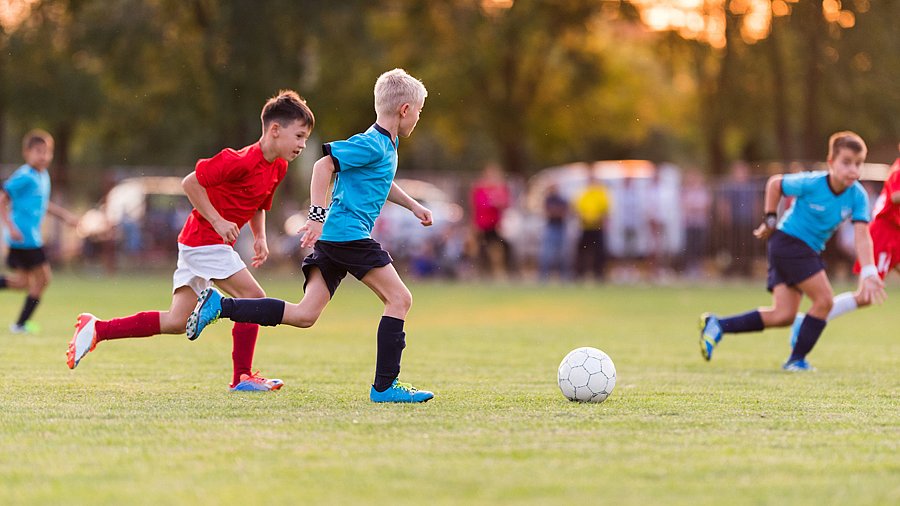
(27, 309)
(809, 333)
(266, 311)
(751, 321)
(391, 341)
(3, 282)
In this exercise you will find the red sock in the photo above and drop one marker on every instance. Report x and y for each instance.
(143, 324)
(243, 337)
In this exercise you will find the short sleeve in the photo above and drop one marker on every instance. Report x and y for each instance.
(794, 185)
(16, 184)
(354, 152)
(219, 169)
(860, 205)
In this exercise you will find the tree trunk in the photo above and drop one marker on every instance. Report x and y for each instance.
(779, 95)
(62, 138)
(812, 22)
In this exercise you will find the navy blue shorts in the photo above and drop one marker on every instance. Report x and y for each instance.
(25, 259)
(335, 259)
(791, 260)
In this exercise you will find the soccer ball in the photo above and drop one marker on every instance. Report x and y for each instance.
(586, 375)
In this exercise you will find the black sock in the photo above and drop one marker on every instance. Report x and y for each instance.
(751, 321)
(27, 309)
(266, 311)
(809, 333)
(3, 282)
(391, 341)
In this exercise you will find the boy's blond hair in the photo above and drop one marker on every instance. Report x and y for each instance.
(846, 140)
(35, 137)
(395, 88)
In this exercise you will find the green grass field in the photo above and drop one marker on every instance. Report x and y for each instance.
(149, 421)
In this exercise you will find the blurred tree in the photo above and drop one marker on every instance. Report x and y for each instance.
(54, 85)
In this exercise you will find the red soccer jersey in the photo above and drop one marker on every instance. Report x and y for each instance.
(886, 211)
(238, 184)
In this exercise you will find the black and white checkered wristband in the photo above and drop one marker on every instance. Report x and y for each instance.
(318, 213)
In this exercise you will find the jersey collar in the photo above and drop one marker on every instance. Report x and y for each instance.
(387, 134)
(830, 187)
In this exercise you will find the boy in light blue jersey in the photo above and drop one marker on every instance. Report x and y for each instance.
(822, 201)
(24, 202)
(364, 167)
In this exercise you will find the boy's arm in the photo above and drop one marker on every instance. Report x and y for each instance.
(401, 198)
(871, 287)
(260, 246)
(7, 222)
(318, 199)
(773, 197)
(62, 213)
(196, 193)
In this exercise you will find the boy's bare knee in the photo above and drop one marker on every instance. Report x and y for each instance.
(301, 319)
(822, 306)
(401, 301)
(172, 324)
(782, 319)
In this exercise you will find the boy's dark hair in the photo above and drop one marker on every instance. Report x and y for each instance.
(285, 108)
(35, 137)
(845, 140)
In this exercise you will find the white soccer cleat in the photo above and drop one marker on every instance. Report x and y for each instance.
(84, 340)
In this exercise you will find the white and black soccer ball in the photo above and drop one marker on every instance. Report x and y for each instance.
(586, 375)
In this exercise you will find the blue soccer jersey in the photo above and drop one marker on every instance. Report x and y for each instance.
(29, 193)
(365, 165)
(817, 211)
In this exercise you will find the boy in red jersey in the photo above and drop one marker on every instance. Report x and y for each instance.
(228, 190)
(885, 232)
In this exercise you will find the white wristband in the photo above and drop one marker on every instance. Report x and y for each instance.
(868, 271)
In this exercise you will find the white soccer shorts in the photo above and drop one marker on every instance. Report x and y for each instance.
(198, 266)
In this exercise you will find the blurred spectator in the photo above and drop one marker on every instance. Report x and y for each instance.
(553, 245)
(633, 218)
(592, 208)
(664, 220)
(739, 208)
(696, 202)
(490, 198)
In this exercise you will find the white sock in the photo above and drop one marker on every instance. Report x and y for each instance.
(843, 303)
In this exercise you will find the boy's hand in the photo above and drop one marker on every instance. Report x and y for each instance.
(871, 290)
(311, 231)
(762, 232)
(15, 234)
(424, 215)
(261, 252)
(766, 228)
(228, 230)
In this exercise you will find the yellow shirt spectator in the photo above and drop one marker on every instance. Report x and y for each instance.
(592, 206)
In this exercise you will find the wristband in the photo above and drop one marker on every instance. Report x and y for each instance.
(868, 271)
(318, 213)
(771, 220)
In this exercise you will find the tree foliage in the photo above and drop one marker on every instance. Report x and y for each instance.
(528, 83)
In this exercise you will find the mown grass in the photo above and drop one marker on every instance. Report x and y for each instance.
(149, 421)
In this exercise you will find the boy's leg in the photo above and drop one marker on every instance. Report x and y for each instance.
(817, 288)
(386, 283)
(785, 301)
(36, 280)
(243, 335)
(89, 330)
(265, 311)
